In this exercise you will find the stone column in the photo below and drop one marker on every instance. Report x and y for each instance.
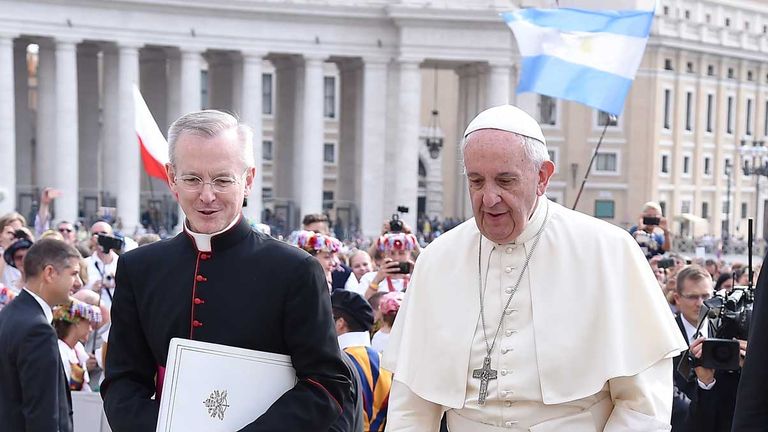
(220, 80)
(370, 154)
(173, 81)
(190, 89)
(46, 114)
(128, 153)
(250, 114)
(497, 85)
(308, 176)
(24, 149)
(350, 133)
(408, 119)
(7, 127)
(88, 113)
(110, 166)
(65, 154)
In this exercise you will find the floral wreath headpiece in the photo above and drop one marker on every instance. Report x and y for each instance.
(313, 242)
(75, 310)
(396, 241)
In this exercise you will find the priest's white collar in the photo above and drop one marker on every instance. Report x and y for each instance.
(534, 224)
(203, 241)
(46, 307)
(354, 339)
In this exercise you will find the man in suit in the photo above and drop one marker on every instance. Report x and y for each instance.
(34, 395)
(220, 281)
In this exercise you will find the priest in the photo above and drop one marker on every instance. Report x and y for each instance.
(529, 316)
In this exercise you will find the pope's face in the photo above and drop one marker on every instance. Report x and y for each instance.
(208, 210)
(504, 184)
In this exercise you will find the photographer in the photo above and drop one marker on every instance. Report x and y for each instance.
(394, 273)
(651, 231)
(102, 264)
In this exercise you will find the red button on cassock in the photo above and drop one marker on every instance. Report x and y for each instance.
(204, 256)
(196, 323)
(201, 278)
(199, 301)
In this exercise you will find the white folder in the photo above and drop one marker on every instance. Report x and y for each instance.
(212, 387)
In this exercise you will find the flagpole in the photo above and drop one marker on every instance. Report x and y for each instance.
(611, 118)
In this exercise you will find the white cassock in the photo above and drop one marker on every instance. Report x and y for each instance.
(585, 345)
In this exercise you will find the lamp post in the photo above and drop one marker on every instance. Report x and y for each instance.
(727, 230)
(759, 167)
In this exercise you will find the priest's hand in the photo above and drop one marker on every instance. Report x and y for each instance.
(705, 375)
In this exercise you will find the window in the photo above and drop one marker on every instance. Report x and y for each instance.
(749, 117)
(665, 164)
(552, 155)
(606, 162)
(667, 108)
(710, 103)
(710, 70)
(749, 76)
(705, 210)
(730, 73)
(685, 206)
(688, 110)
(686, 164)
(707, 165)
(604, 209)
(668, 64)
(547, 110)
(687, 14)
(329, 92)
(329, 153)
(666, 10)
(266, 193)
(727, 22)
(743, 210)
(689, 67)
(765, 120)
(266, 150)
(729, 120)
(708, 18)
(604, 118)
(327, 200)
(726, 167)
(266, 94)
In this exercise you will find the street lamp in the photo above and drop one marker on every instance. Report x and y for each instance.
(759, 167)
(727, 230)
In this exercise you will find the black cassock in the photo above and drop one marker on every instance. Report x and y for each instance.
(251, 291)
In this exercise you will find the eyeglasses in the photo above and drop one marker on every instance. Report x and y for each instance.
(223, 184)
(703, 297)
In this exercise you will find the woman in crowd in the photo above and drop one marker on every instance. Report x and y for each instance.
(395, 271)
(388, 306)
(73, 323)
(324, 248)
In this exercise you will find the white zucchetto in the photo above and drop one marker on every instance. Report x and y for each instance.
(507, 118)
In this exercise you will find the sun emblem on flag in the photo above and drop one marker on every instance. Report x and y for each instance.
(217, 404)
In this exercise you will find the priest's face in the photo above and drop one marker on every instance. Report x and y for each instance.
(504, 183)
(210, 179)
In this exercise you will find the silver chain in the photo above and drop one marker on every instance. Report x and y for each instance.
(482, 286)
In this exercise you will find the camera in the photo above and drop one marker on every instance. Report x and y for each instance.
(396, 224)
(665, 263)
(404, 267)
(731, 316)
(108, 242)
(651, 220)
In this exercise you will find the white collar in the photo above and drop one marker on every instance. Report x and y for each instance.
(203, 241)
(690, 329)
(354, 339)
(46, 307)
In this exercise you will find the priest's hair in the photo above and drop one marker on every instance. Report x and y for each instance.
(209, 124)
(534, 149)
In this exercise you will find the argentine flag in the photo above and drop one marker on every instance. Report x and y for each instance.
(590, 57)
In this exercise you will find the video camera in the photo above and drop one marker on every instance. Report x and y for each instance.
(108, 242)
(396, 224)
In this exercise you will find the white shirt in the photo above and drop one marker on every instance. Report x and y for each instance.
(45, 306)
(354, 339)
(11, 277)
(365, 281)
(98, 271)
(690, 329)
(379, 341)
(69, 356)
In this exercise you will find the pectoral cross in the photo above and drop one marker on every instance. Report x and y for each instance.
(484, 374)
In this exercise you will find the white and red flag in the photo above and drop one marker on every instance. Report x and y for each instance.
(154, 147)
